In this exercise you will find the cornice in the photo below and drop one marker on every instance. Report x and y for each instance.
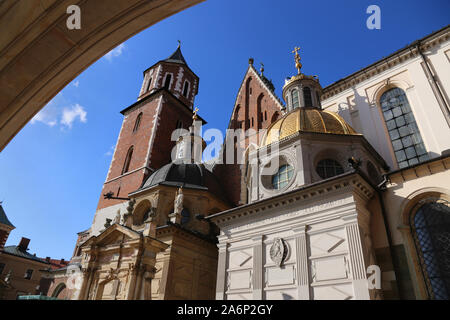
(350, 180)
(172, 229)
(407, 53)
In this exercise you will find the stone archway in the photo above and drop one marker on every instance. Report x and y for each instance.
(39, 55)
(59, 290)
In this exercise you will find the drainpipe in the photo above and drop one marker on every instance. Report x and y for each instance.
(434, 85)
(381, 187)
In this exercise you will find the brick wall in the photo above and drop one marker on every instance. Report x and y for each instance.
(255, 109)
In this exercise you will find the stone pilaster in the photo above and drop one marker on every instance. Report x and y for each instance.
(302, 263)
(132, 285)
(257, 274)
(358, 268)
(221, 271)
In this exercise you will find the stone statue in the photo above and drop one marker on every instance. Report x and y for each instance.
(127, 216)
(178, 204)
(117, 217)
(8, 277)
(107, 223)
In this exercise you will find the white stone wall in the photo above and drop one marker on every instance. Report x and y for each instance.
(325, 255)
(359, 105)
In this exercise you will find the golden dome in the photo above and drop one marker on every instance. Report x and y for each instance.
(307, 120)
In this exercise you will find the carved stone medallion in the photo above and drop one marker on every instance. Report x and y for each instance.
(278, 251)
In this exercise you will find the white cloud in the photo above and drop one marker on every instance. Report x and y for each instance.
(49, 114)
(60, 111)
(117, 51)
(69, 115)
(110, 151)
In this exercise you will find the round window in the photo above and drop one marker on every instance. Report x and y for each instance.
(328, 168)
(282, 177)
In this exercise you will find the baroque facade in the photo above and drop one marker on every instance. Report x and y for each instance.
(340, 192)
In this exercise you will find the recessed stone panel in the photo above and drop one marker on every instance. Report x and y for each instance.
(240, 279)
(332, 268)
(280, 276)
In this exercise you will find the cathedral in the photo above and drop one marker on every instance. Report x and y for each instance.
(338, 193)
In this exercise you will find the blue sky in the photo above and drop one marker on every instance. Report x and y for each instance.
(52, 171)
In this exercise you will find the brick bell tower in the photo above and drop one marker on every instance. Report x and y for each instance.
(165, 103)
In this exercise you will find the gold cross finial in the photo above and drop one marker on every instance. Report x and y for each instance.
(195, 117)
(297, 59)
(296, 49)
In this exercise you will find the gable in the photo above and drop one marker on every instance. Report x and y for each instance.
(258, 87)
(115, 234)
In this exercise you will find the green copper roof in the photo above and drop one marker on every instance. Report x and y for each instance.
(4, 219)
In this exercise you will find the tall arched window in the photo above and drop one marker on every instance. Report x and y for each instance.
(318, 98)
(405, 136)
(307, 97)
(126, 165)
(186, 89)
(149, 84)
(167, 82)
(430, 226)
(138, 122)
(295, 99)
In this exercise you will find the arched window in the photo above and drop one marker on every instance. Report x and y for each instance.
(275, 117)
(282, 177)
(406, 140)
(149, 84)
(307, 97)
(126, 165)
(295, 99)
(167, 82)
(328, 168)
(430, 226)
(186, 89)
(138, 122)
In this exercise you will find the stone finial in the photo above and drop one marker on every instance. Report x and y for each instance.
(262, 69)
(127, 217)
(250, 61)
